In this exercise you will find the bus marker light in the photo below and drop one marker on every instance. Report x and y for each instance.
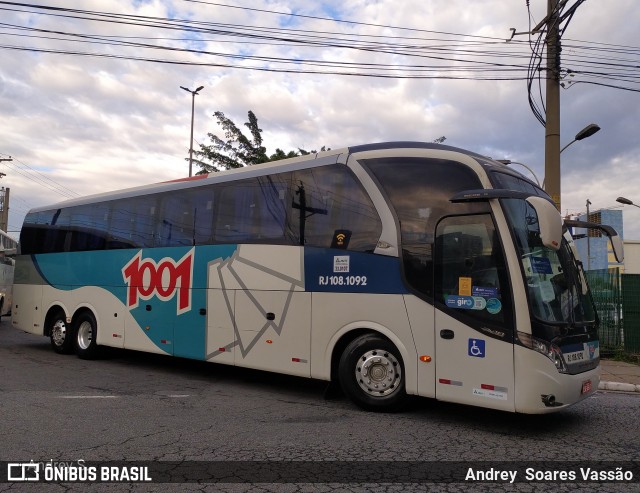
(495, 388)
(222, 349)
(425, 359)
(269, 341)
(147, 328)
(446, 381)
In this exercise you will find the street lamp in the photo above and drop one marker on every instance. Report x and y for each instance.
(193, 105)
(587, 131)
(624, 201)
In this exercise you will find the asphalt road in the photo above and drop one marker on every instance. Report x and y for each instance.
(135, 407)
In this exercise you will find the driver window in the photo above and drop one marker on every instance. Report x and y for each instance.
(470, 274)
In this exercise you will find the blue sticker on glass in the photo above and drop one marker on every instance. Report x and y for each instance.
(485, 292)
(464, 302)
(541, 265)
(494, 306)
(476, 348)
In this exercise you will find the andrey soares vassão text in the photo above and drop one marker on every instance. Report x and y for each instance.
(532, 474)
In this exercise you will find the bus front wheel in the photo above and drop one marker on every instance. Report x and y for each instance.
(60, 335)
(85, 336)
(371, 373)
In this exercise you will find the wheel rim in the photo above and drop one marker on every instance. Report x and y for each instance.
(59, 333)
(85, 335)
(378, 373)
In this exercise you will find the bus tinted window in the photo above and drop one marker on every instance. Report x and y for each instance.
(133, 222)
(306, 207)
(419, 190)
(510, 182)
(251, 211)
(334, 201)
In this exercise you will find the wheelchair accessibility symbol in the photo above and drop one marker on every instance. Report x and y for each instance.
(476, 348)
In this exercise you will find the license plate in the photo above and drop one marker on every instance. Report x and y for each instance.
(574, 357)
(586, 387)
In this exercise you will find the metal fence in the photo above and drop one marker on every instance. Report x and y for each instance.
(617, 299)
(631, 312)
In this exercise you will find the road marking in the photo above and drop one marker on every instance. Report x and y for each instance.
(88, 397)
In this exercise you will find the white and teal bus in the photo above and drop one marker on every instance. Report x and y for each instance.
(394, 269)
(8, 249)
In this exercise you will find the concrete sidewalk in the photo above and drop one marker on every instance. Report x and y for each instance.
(619, 376)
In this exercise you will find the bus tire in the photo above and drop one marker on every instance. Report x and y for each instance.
(371, 374)
(60, 334)
(85, 332)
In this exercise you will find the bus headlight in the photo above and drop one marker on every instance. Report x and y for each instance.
(550, 350)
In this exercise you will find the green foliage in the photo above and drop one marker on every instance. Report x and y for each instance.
(237, 150)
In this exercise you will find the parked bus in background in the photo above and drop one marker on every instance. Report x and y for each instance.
(394, 269)
(8, 248)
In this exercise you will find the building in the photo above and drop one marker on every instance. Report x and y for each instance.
(632, 256)
(594, 246)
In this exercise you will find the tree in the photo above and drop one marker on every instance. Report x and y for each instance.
(234, 152)
(238, 150)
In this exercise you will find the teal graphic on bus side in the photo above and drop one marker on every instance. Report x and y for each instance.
(164, 288)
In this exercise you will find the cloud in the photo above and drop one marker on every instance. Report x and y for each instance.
(99, 124)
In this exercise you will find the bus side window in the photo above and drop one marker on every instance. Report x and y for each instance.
(251, 211)
(333, 201)
(175, 222)
(203, 202)
(470, 270)
(133, 222)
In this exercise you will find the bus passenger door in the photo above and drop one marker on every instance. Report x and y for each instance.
(474, 314)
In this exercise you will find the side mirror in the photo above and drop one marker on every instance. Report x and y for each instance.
(618, 247)
(549, 222)
(549, 219)
(614, 237)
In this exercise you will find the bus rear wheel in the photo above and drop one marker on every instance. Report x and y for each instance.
(60, 335)
(371, 374)
(85, 333)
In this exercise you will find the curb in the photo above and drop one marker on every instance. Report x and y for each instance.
(619, 387)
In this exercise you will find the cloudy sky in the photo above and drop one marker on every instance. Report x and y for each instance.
(90, 100)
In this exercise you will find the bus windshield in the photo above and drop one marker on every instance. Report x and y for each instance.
(557, 291)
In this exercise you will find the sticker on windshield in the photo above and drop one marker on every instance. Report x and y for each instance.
(593, 349)
(466, 302)
(494, 306)
(485, 292)
(546, 291)
(541, 265)
(464, 286)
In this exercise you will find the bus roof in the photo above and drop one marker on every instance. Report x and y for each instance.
(300, 162)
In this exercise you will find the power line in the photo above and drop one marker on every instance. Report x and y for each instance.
(456, 57)
(36, 176)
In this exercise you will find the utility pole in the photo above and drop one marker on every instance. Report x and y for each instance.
(193, 106)
(588, 238)
(4, 202)
(552, 127)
